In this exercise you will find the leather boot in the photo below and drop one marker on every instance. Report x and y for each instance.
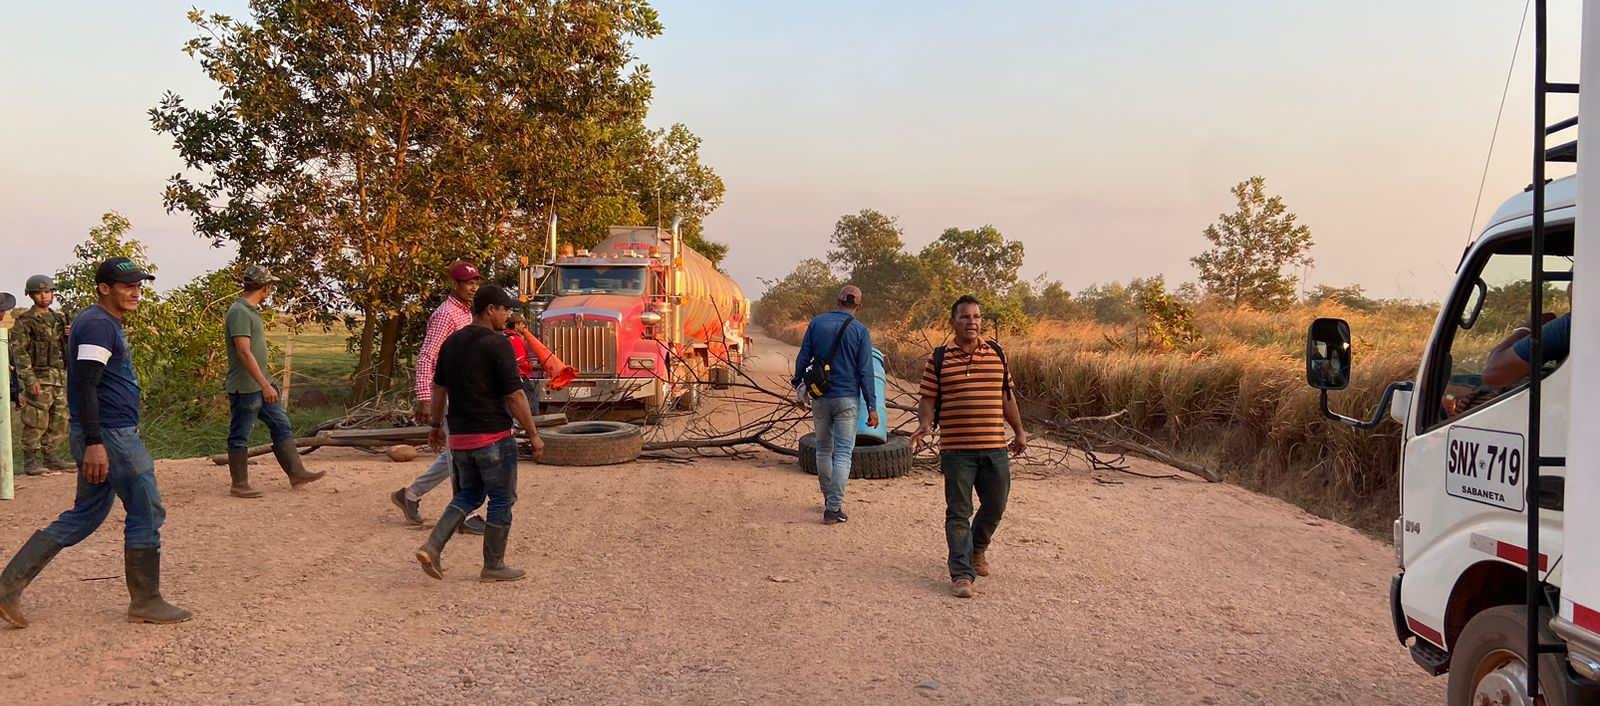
(24, 568)
(494, 555)
(32, 464)
(980, 562)
(57, 461)
(289, 459)
(410, 508)
(143, 569)
(239, 470)
(428, 554)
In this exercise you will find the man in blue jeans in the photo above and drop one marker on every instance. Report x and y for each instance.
(251, 395)
(103, 401)
(477, 391)
(843, 345)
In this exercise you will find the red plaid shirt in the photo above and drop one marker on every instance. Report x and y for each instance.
(450, 317)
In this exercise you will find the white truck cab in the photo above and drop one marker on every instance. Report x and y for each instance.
(1469, 495)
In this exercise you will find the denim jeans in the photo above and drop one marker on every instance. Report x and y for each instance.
(131, 477)
(835, 423)
(989, 473)
(244, 409)
(533, 396)
(487, 472)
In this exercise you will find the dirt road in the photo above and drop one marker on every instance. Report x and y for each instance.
(715, 583)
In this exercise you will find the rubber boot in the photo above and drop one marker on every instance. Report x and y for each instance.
(57, 461)
(239, 470)
(428, 554)
(289, 459)
(474, 525)
(143, 570)
(24, 568)
(494, 555)
(32, 463)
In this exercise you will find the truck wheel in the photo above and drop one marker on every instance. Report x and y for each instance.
(1489, 666)
(877, 461)
(591, 444)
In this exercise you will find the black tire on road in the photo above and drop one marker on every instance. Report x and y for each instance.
(1495, 636)
(591, 444)
(891, 459)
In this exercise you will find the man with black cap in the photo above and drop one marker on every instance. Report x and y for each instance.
(477, 389)
(103, 399)
(452, 315)
(251, 395)
(833, 371)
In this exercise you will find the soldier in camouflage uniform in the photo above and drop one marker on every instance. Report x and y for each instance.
(38, 342)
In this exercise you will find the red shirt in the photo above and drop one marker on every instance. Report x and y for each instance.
(520, 347)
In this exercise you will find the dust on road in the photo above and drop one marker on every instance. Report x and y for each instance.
(713, 583)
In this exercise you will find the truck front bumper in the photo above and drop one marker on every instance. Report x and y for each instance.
(586, 391)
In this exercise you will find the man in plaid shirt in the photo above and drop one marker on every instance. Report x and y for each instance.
(454, 314)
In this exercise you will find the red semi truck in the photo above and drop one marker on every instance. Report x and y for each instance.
(645, 320)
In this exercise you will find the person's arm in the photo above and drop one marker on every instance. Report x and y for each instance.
(437, 397)
(22, 359)
(247, 358)
(86, 373)
(1019, 438)
(427, 361)
(864, 377)
(510, 385)
(804, 356)
(925, 410)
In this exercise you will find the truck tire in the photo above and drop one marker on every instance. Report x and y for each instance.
(1489, 664)
(876, 461)
(591, 444)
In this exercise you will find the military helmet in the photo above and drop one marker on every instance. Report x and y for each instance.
(40, 283)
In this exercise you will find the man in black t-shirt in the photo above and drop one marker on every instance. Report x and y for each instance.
(477, 390)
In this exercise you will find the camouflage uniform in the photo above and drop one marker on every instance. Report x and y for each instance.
(37, 353)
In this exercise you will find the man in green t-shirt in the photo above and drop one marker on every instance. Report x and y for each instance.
(251, 395)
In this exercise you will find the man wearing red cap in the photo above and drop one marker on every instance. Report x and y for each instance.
(454, 314)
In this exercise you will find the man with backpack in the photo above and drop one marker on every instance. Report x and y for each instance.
(833, 372)
(966, 394)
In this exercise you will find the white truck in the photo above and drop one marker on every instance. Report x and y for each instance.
(1500, 465)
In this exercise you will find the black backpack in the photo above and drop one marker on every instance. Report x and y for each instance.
(818, 369)
(938, 371)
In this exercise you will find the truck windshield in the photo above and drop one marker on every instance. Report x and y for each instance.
(601, 279)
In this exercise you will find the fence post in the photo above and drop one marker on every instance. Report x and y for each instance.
(7, 488)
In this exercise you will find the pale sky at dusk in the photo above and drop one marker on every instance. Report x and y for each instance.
(1104, 135)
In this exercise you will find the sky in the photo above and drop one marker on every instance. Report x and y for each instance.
(1103, 135)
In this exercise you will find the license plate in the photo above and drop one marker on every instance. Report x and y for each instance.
(1486, 466)
(579, 393)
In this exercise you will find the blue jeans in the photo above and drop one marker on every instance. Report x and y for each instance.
(487, 472)
(835, 423)
(989, 473)
(532, 394)
(132, 478)
(244, 409)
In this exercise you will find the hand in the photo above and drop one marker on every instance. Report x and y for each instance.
(422, 411)
(269, 394)
(1019, 443)
(872, 418)
(95, 464)
(35, 391)
(436, 438)
(536, 445)
(918, 437)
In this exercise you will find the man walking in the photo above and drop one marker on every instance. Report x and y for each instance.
(103, 396)
(835, 368)
(251, 395)
(38, 344)
(477, 390)
(966, 394)
(454, 314)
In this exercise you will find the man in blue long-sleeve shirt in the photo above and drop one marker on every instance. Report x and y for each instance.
(849, 378)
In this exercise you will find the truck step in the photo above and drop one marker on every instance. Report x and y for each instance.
(1433, 660)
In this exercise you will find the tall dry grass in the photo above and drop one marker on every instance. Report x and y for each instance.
(1235, 401)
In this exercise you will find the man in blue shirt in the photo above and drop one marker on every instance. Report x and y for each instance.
(1510, 362)
(103, 400)
(843, 345)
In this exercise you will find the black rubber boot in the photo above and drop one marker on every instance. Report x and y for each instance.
(494, 556)
(239, 471)
(474, 525)
(143, 570)
(24, 568)
(428, 554)
(410, 508)
(289, 459)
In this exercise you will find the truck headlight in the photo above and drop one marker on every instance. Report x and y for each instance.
(650, 318)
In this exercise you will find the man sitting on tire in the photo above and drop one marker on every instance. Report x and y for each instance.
(833, 370)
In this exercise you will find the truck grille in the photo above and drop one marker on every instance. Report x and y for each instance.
(588, 345)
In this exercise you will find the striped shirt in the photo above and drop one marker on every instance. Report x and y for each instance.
(972, 390)
(451, 316)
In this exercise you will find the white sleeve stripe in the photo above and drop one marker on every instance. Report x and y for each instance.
(98, 354)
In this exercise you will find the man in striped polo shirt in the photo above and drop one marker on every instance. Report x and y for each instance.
(966, 394)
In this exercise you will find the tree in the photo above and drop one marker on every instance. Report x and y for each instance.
(676, 184)
(800, 295)
(983, 263)
(1049, 300)
(361, 147)
(1351, 297)
(75, 286)
(863, 239)
(1251, 247)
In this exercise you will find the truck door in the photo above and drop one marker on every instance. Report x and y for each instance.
(1464, 483)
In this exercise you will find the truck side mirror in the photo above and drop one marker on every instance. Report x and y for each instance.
(1328, 354)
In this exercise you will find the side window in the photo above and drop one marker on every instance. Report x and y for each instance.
(1489, 314)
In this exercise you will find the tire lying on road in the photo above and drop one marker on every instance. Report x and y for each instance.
(591, 444)
(891, 459)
